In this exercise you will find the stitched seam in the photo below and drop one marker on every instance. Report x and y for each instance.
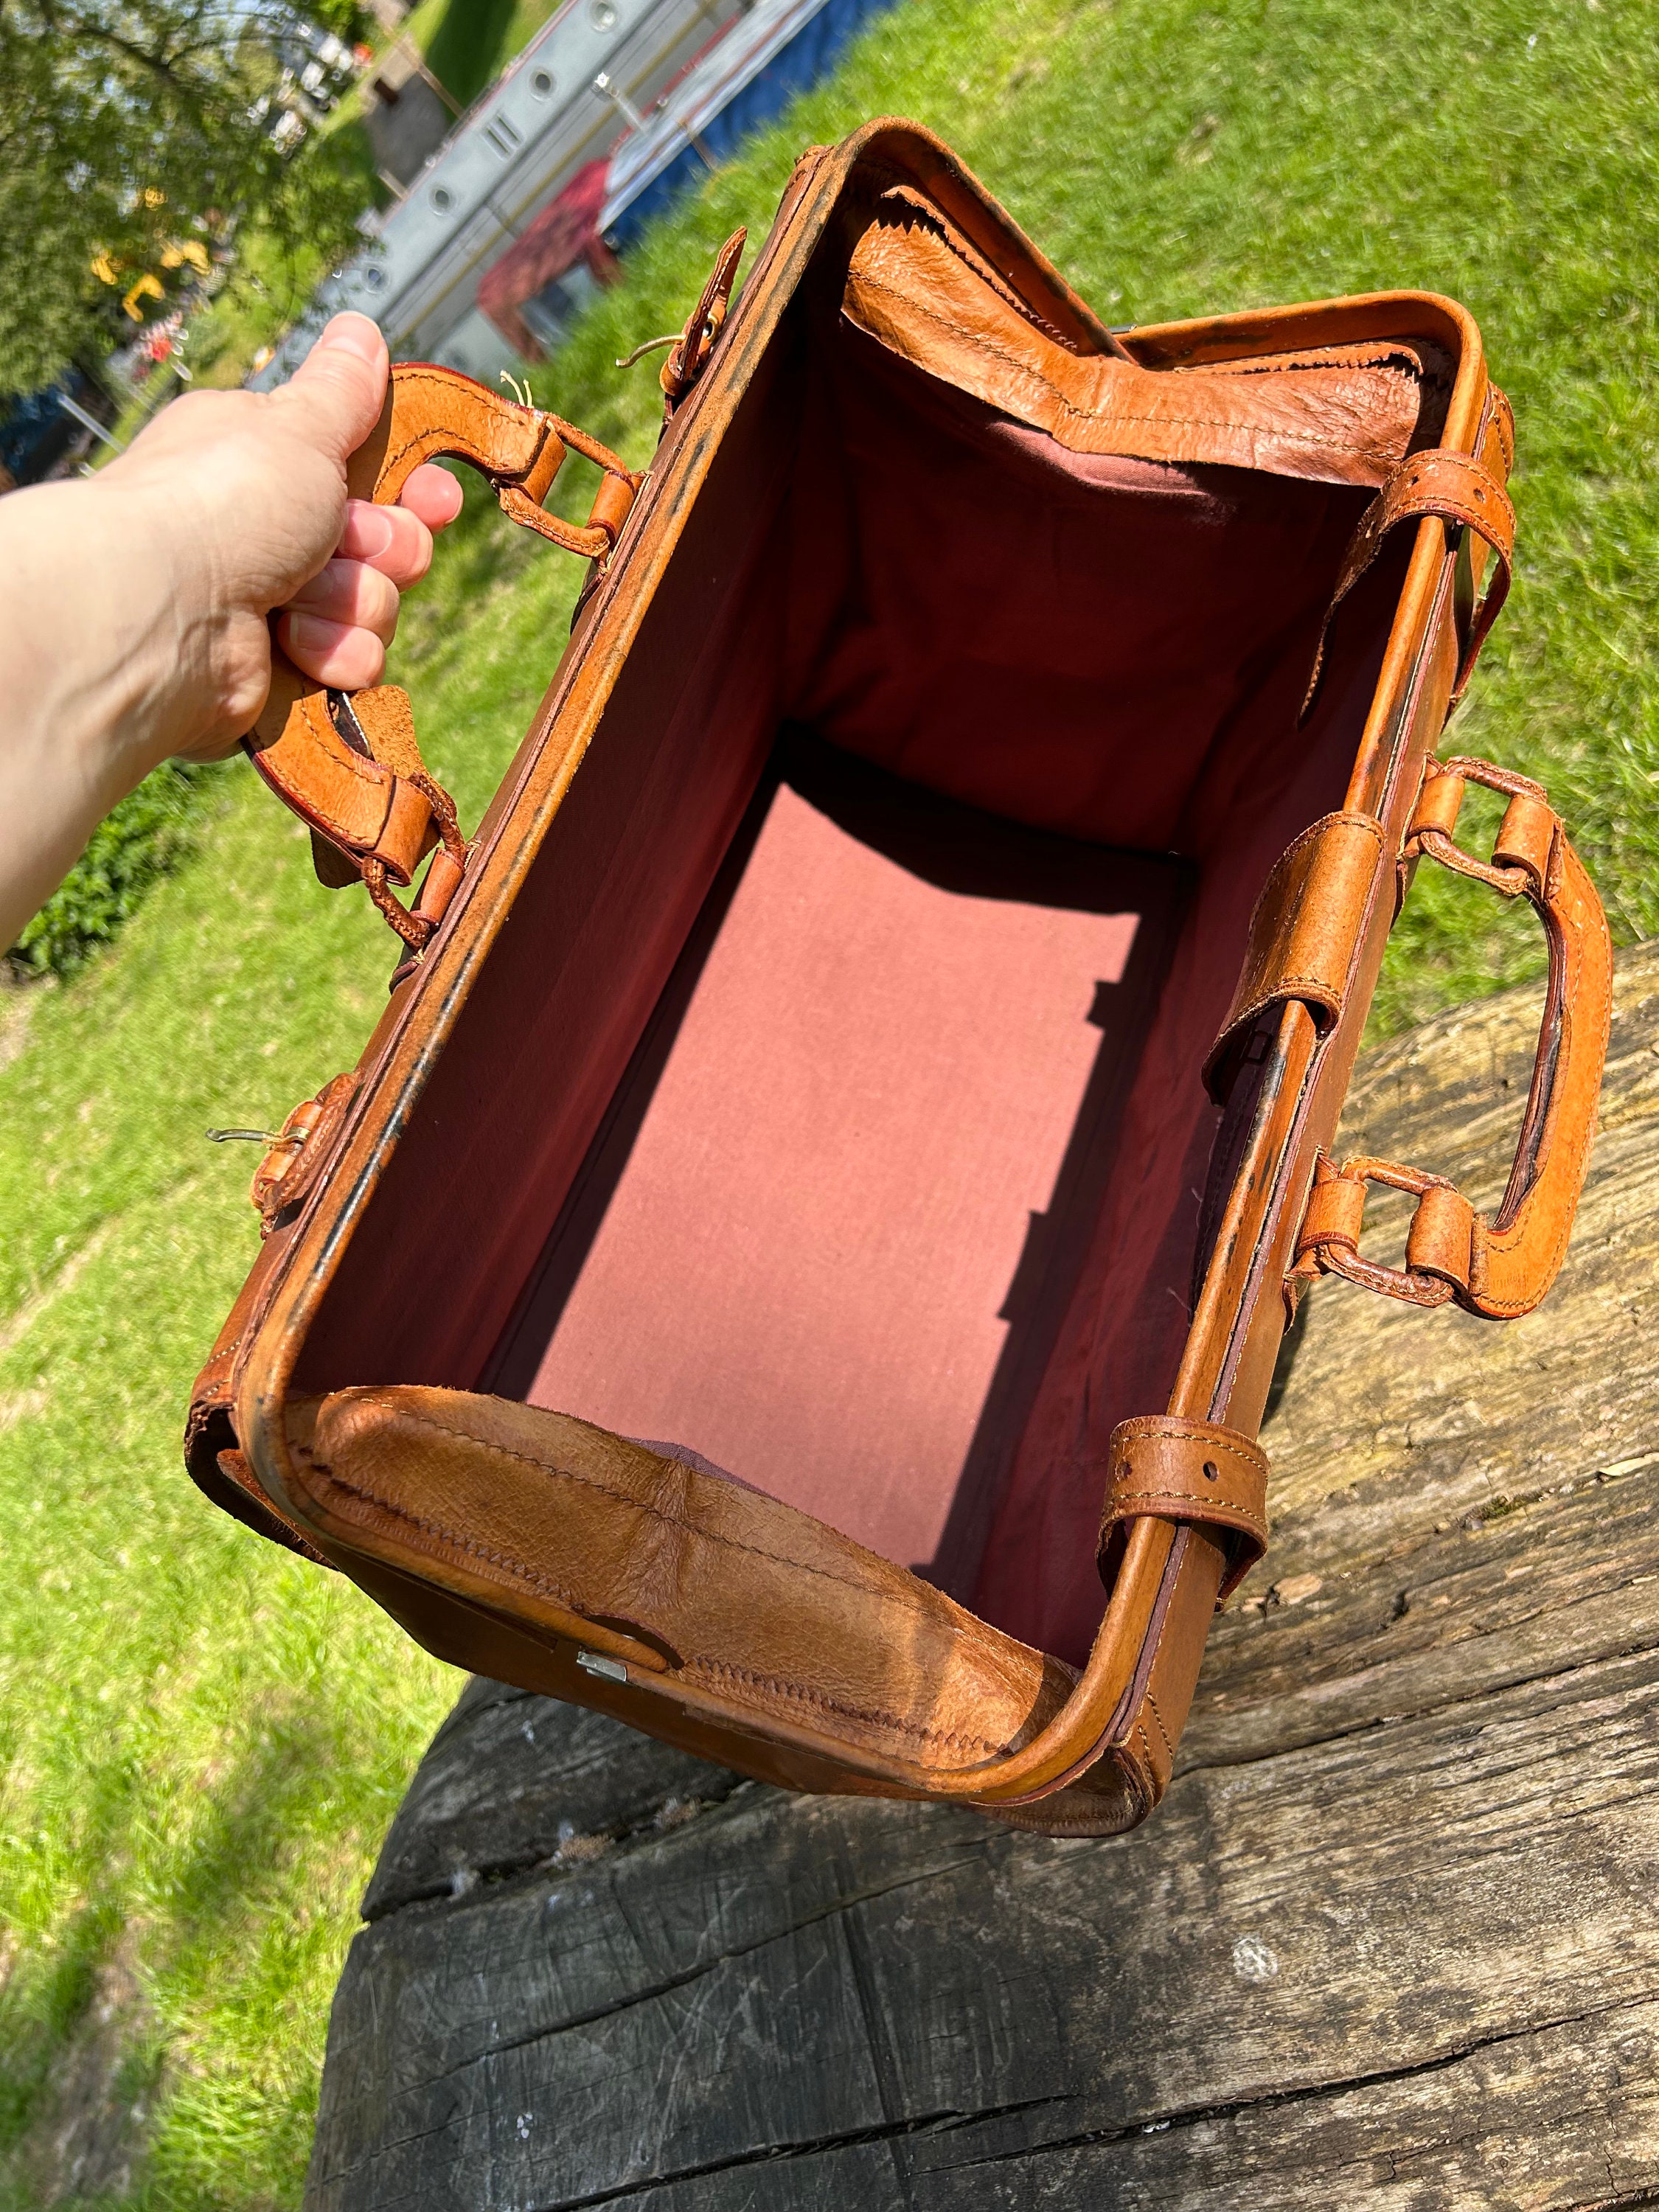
(669, 1520)
(1086, 415)
(781, 1687)
(505, 1560)
(938, 226)
(444, 382)
(369, 772)
(1249, 1455)
(1152, 1707)
(778, 1685)
(1217, 1502)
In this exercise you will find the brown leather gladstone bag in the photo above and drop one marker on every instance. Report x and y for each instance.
(801, 1263)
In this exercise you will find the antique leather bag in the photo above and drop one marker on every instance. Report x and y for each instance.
(801, 1263)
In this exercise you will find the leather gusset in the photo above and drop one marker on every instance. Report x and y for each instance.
(1344, 414)
(694, 1583)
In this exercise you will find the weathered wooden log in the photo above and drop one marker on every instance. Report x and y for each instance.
(1392, 1934)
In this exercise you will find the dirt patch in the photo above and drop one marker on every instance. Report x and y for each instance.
(87, 2134)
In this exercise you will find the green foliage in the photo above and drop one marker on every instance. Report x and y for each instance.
(148, 834)
(126, 127)
(201, 1739)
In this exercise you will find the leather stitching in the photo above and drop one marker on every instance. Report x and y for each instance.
(1186, 1501)
(1158, 1721)
(446, 381)
(781, 1686)
(567, 1598)
(1501, 1308)
(514, 1566)
(655, 1513)
(1211, 1440)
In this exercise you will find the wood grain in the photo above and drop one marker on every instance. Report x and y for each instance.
(1391, 1937)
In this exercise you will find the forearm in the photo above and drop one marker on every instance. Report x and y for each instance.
(92, 655)
(135, 606)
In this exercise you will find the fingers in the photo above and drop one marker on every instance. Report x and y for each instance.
(397, 540)
(340, 386)
(433, 494)
(388, 539)
(336, 630)
(352, 593)
(345, 658)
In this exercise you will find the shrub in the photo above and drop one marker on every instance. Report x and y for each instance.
(147, 836)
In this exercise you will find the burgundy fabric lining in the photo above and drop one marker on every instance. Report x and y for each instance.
(821, 1237)
(632, 1213)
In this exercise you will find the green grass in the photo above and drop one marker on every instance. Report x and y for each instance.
(203, 1739)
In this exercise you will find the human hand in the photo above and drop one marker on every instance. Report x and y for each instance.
(238, 500)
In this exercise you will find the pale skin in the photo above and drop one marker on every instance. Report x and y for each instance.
(135, 605)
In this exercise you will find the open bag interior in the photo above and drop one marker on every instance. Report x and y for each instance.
(830, 1108)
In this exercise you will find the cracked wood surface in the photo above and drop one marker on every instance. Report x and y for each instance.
(1391, 1935)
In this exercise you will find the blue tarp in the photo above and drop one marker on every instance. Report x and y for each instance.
(33, 433)
(808, 57)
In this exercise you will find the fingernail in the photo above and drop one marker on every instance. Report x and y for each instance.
(312, 633)
(373, 529)
(354, 333)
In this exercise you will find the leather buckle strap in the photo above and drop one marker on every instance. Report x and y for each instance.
(1161, 1467)
(690, 357)
(1458, 489)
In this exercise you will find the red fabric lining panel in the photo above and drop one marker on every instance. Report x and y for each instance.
(827, 1248)
(431, 1278)
(1057, 637)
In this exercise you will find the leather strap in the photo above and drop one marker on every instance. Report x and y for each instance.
(1163, 1468)
(1458, 489)
(1304, 933)
(690, 357)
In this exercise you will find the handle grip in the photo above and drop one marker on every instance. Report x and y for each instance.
(356, 776)
(1502, 1267)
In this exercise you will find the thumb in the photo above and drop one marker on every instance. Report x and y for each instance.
(340, 386)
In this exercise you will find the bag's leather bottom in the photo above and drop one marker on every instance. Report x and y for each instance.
(701, 1610)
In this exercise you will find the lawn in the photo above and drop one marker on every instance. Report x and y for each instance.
(203, 1739)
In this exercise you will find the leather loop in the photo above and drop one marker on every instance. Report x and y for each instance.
(1526, 839)
(1163, 1467)
(1304, 933)
(1458, 489)
(290, 1168)
(1441, 1240)
(366, 790)
(1501, 1268)
(690, 357)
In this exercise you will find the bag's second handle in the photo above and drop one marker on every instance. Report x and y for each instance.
(1499, 1268)
(350, 766)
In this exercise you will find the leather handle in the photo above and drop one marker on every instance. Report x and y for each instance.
(364, 790)
(1501, 1268)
